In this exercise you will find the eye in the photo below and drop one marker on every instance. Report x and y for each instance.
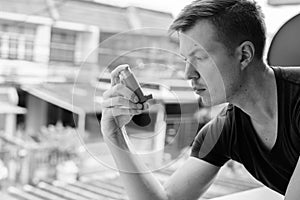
(201, 57)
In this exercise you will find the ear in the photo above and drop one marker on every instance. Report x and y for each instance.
(246, 52)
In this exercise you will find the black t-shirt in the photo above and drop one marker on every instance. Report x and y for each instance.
(231, 135)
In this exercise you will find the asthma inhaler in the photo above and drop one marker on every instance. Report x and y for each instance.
(130, 81)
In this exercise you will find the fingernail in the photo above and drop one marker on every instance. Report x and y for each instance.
(136, 99)
(146, 106)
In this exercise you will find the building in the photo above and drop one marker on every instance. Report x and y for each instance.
(63, 41)
(53, 39)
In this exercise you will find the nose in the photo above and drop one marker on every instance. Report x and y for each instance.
(190, 72)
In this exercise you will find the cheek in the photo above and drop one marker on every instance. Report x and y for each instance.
(227, 68)
(221, 77)
(206, 68)
(231, 82)
(211, 74)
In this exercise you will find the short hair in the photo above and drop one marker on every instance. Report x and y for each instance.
(235, 21)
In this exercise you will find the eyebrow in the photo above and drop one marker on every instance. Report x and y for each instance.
(194, 50)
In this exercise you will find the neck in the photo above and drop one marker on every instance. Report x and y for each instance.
(257, 95)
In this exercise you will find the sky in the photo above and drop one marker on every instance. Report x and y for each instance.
(275, 16)
(173, 6)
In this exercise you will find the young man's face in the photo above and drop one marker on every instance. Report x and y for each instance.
(213, 70)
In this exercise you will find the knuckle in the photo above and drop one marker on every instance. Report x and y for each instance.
(123, 101)
(129, 104)
(108, 93)
(119, 87)
(119, 100)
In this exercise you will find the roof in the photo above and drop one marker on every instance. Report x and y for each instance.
(106, 17)
(28, 7)
(149, 18)
(77, 98)
(111, 18)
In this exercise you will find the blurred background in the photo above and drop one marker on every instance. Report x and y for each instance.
(55, 59)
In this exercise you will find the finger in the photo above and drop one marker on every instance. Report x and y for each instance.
(145, 106)
(115, 79)
(121, 90)
(120, 101)
(152, 102)
(118, 111)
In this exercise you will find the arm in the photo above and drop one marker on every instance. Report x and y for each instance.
(190, 181)
(293, 192)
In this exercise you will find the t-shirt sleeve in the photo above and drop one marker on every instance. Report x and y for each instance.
(210, 144)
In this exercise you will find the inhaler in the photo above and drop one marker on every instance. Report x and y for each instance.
(131, 82)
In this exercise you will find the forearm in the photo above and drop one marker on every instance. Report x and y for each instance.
(138, 181)
(293, 192)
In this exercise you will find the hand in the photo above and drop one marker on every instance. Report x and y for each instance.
(119, 105)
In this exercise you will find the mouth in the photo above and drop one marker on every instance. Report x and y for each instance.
(199, 91)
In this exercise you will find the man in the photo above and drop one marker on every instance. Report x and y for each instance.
(223, 44)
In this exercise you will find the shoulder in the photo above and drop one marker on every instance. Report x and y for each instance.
(214, 131)
(291, 74)
(289, 85)
(211, 142)
(217, 124)
(291, 89)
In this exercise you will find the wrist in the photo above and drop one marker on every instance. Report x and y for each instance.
(116, 138)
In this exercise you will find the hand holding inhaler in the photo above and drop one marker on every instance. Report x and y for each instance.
(131, 82)
(122, 101)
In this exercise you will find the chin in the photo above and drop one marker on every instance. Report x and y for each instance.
(208, 102)
(205, 102)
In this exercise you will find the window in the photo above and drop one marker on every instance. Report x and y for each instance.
(13, 47)
(62, 45)
(14, 40)
(29, 46)
(12, 37)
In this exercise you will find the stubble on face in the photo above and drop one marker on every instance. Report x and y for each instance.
(217, 71)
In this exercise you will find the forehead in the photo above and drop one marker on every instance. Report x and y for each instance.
(202, 36)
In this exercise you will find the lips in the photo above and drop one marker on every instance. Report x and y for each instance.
(199, 91)
(199, 88)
